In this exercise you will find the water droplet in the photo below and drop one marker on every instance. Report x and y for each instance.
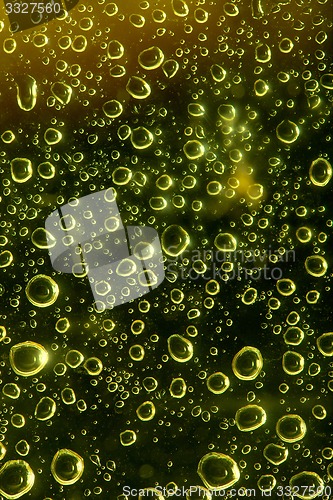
(45, 408)
(178, 388)
(115, 49)
(42, 238)
(180, 348)
(218, 383)
(316, 265)
(291, 428)
(193, 149)
(250, 417)
(16, 479)
(21, 169)
(141, 138)
(311, 480)
(275, 453)
(325, 344)
(175, 240)
(42, 291)
(287, 131)
(180, 8)
(292, 363)
(146, 411)
(263, 53)
(218, 471)
(151, 58)
(26, 87)
(170, 68)
(62, 92)
(52, 136)
(285, 286)
(112, 108)
(67, 466)
(225, 242)
(28, 358)
(218, 73)
(320, 172)
(11, 390)
(127, 438)
(247, 363)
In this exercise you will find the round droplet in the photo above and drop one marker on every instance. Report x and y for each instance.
(325, 344)
(52, 136)
(180, 348)
(67, 466)
(175, 240)
(151, 58)
(42, 291)
(45, 408)
(28, 358)
(320, 172)
(287, 131)
(218, 471)
(319, 412)
(286, 45)
(307, 485)
(275, 453)
(247, 363)
(112, 108)
(127, 438)
(178, 388)
(266, 482)
(260, 88)
(180, 8)
(22, 447)
(21, 169)
(230, 9)
(126, 267)
(150, 384)
(292, 363)
(218, 383)
(42, 238)
(249, 296)
(250, 417)
(46, 170)
(218, 73)
(16, 479)
(121, 176)
(304, 234)
(74, 358)
(285, 287)
(193, 150)
(291, 428)
(93, 366)
(293, 336)
(62, 92)
(6, 258)
(316, 265)
(136, 352)
(138, 88)
(263, 53)
(115, 49)
(146, 411)
(141, 138)
(195, 109)
(170, 68)
(11, 390)
(68, 396)
(225, 242)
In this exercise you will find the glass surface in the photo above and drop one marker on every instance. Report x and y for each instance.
(166, 249)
